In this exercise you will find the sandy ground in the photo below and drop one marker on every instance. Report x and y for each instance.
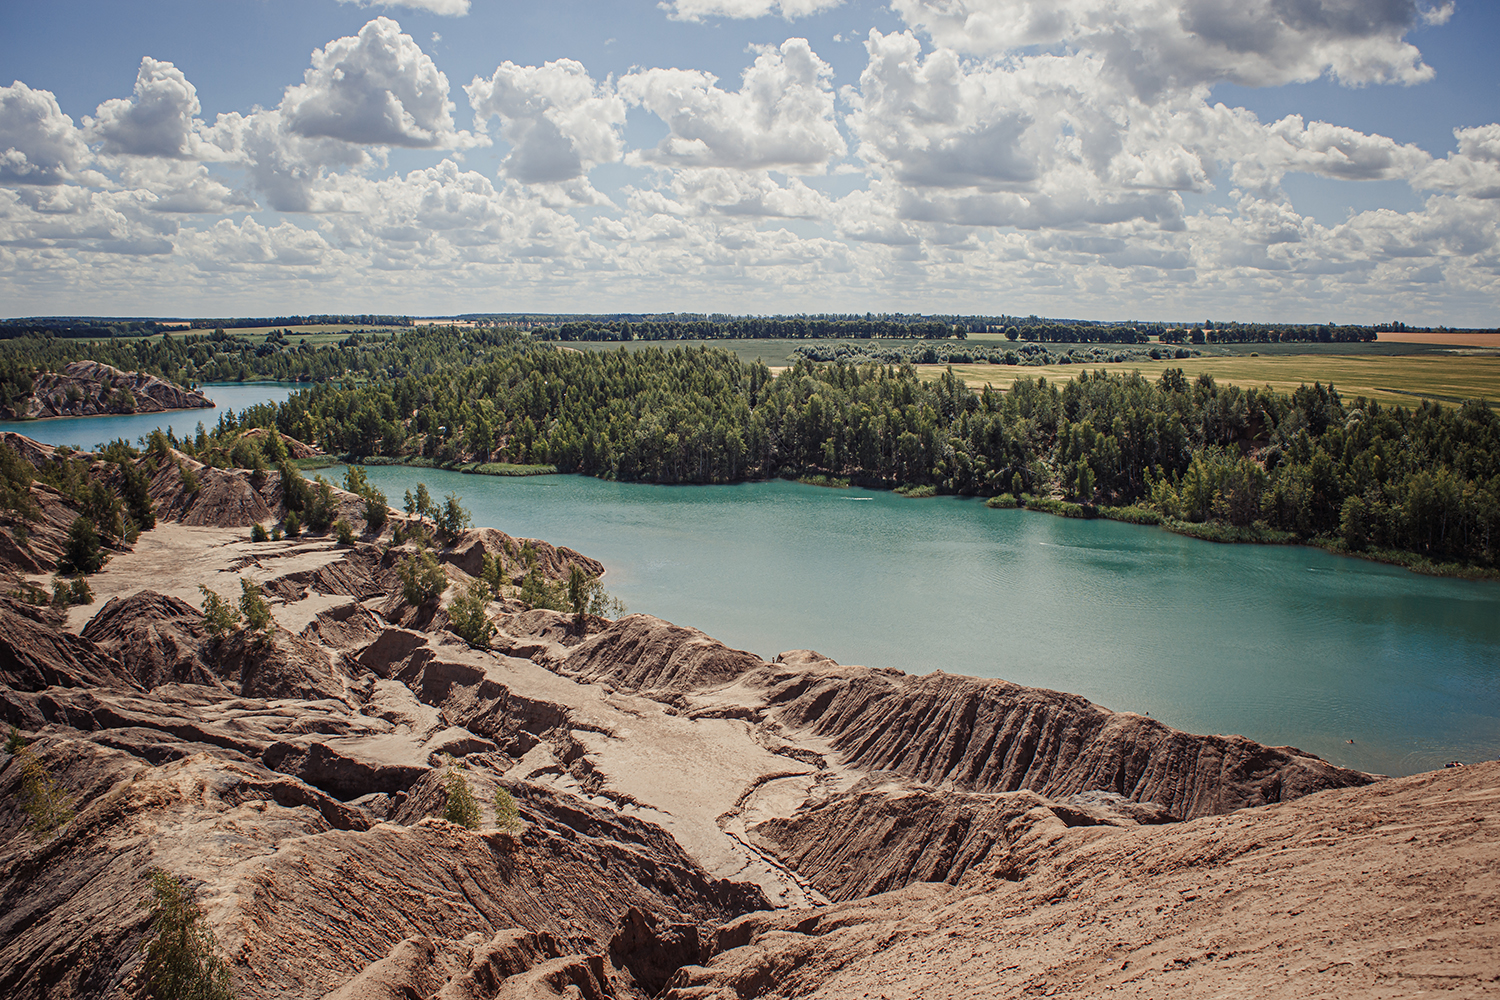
(1387, 891)
(175, 559)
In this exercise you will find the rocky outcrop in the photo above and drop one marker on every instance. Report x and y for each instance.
(157, 639)
(91, 388)
(553, 562)
(513, 963)
(654, 657)
(35, 654)
(994, 736)
(1387, 890)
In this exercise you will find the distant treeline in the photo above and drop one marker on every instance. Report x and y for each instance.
(221, 356)
(1235, 462)
(1258, 333)
(95, 327)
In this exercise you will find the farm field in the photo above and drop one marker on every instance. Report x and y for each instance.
(1403, 380)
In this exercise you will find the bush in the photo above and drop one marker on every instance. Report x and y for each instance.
(41, 798)
(82, 594)
(276, 533)
(467, 618)
(462, 807)
(452, 519)
(493, 572)
(344, 532)
(258, 533)
(81, 553)
(539, 592)
(292, 523)
(1004, 501)
(376, 510)
(15, 742)
(422, 579)
(182, 957)
(507, 817)
(219, 616)
(190, 483)
(255, 609)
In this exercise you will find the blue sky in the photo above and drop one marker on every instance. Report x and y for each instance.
(1258, 159)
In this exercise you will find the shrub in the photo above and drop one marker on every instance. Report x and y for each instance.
(189, 479)
(182, 957)
(255, 609)
(321, 508)
(276, 533)
(1004, 501)
(258, 533)
(467, 618)
(81, 553)
(462, 807)
(41, 798)
(538, 592)
(15, 742)
(344, 532)
(82, 594)
(422, 579)
(376, 510)
(493, 572)
(452, 519)
(219, 616)
(507, 817)
(292, 523)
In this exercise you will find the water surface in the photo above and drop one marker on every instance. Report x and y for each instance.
(1285, 645)
(89, 433)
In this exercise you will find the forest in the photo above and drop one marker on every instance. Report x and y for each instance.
(1420, 485)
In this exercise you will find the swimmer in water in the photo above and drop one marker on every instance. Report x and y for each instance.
(1351, 741)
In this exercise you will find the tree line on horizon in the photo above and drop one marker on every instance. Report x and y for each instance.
(1306, 465)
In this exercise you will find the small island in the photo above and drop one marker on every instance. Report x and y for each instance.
(92, 388)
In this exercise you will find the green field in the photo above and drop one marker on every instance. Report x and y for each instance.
(1401, 379)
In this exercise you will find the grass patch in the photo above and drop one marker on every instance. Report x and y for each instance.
(1218, 531)
(1059, 507)
(1002, 502)
(917, 492)
(316, 462)
(507, 469)
(828, 482)
(1133, 514)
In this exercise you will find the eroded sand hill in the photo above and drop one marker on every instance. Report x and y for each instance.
(694, 820)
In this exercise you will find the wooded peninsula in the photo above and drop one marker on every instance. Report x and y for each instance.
(1416, 485)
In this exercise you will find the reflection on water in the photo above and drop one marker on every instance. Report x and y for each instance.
(1283, 644)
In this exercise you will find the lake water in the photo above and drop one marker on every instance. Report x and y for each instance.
(1285, 645)
(91, 432)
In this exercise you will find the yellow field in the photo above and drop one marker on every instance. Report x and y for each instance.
(1404, 380)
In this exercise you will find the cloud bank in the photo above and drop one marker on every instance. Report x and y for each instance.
(992, 156)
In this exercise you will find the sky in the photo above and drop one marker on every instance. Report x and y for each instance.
(1260, 160)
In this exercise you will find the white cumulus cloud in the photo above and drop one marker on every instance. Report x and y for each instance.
(559, 122)
(781, 117)
(377, 89)
(160, 119)
(1165, 44)
(38, 143)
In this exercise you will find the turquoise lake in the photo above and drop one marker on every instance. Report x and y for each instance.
(1284, 645)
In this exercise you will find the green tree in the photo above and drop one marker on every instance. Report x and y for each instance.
(462, 807)
(493, 572)
(578, 592)
(376, 510)
(343, 532)
(256, 610)
(182, 960)
(468, 618)
(81, 552)
(507, 816)
(422, 579)
(452, 519)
